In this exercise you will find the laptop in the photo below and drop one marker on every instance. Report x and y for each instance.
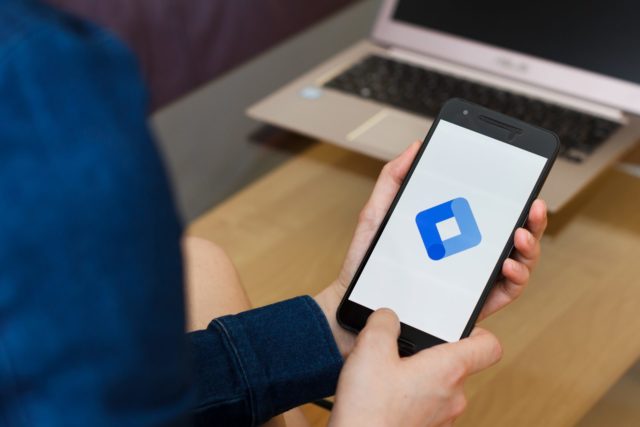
(569, 66)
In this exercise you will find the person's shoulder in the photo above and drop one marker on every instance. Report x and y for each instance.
(35, 34)
(18, 22)
(26, 23)
(60, 66)
(74, 112)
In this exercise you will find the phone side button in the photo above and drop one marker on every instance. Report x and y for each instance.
(405, 347)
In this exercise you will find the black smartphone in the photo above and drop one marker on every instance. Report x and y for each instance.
(442, 243)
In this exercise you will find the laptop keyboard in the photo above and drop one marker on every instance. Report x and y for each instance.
(423, 92)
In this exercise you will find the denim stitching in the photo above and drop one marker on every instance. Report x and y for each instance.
(239, 361)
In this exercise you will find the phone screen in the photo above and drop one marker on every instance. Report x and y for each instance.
(448, 230)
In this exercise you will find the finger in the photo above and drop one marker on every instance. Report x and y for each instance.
(388, 184)
(473, 354)
(397, 169)
(527, 248)
(479, 351)
(479, 332)
(537, 221)
(516, 274)
(381, 333)
(498, 298)
(385, 190)
(516, 277)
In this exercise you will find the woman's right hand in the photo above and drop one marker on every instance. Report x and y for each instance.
(378, 388)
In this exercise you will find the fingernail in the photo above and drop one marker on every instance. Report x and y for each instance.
(530, 237)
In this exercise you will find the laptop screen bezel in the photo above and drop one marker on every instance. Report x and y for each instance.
(576, 82)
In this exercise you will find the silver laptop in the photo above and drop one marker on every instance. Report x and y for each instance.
(569, 66)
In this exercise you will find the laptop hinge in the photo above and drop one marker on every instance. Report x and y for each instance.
(489, 79)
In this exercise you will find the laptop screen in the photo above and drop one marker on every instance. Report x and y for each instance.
(602, 36)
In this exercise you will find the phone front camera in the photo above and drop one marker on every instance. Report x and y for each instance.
(465, 112)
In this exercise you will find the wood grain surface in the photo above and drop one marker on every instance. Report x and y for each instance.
(566, 341)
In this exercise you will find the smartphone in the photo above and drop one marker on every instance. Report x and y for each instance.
(443, 241)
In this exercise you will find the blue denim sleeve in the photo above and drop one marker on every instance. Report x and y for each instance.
(91, 302)
(260, 363)
(91, 308)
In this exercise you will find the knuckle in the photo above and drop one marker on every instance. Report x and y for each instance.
(545, 214)
(496, 348)
(369, 337)
(391, 170)
(524, 271)
(369, 216)
(537, 250)
(459, 405)
(499, 352)
(365, 214)
(457, 372)
(387, 169)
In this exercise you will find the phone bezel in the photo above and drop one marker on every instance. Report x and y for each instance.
(353, 316)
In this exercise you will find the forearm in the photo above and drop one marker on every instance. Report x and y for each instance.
(257, 364)
(329, 300)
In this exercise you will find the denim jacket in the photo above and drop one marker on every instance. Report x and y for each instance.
(91, 297)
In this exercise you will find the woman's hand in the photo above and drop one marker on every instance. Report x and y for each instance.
(516, 270)
(378, 388)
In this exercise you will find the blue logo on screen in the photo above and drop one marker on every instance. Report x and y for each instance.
(448, 228)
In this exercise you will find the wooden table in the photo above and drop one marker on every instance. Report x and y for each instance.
(567, 341)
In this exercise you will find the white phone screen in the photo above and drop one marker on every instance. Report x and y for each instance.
(448, 230)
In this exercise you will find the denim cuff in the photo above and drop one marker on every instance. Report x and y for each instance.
(283, 355)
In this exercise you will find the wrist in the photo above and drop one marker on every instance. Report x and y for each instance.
(329, 300)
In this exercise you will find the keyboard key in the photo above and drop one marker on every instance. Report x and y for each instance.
(423, 92)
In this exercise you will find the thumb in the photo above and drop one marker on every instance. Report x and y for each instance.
(381, 333)
(473, 354)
